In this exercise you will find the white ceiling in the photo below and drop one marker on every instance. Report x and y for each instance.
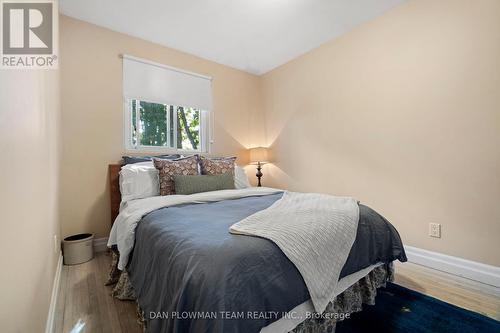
(252, 35)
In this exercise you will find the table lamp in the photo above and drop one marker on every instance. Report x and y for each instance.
(258, 156)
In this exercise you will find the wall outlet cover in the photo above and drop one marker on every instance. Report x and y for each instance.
(435, 230)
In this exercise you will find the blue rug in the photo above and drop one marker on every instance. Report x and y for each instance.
(399, 309)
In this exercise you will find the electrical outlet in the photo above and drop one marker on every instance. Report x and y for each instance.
(435, 230)
(56, 244)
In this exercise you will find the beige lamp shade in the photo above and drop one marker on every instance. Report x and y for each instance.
(259, 154)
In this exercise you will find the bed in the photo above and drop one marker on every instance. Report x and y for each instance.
(188, 273)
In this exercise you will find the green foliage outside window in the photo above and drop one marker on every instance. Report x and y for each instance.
(188, 128)
(157, 125)
(154, 124)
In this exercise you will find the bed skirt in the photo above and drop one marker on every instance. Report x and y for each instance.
(351, 300)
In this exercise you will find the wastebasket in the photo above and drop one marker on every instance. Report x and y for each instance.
(78, 249)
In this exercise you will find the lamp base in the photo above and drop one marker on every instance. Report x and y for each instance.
(259, 174)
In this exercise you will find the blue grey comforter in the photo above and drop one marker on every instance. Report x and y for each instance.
(191, 275)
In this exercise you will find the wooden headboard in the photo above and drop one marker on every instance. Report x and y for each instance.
(114, 190)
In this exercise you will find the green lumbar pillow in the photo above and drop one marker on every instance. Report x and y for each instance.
(203, 183)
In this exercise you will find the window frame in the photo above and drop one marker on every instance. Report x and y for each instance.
(205, 132)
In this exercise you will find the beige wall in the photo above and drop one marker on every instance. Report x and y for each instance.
(402, 113)
(29, 159)
(92, 110)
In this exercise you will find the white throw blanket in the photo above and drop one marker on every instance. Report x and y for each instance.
(315, 232)
(123, 232)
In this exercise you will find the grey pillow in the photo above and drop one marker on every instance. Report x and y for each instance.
(137, 159)
(202, 183)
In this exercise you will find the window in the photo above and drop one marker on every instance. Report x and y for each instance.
(166, 109)
(168, 126)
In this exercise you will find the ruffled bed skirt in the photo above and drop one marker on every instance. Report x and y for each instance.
(351, 300)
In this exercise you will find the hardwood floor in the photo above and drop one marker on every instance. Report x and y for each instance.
(84, 300)
(462, 292)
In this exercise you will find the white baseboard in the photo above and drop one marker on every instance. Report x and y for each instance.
(457, 266)
(100, 244)
(49, 327)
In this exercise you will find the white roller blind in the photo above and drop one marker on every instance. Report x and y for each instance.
(159, 83)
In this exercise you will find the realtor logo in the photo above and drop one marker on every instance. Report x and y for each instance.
(28, 34)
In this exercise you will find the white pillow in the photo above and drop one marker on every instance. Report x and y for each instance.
(240, 178)
(139, 180)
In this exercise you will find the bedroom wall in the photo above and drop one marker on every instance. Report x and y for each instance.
(402, 113)
(92, 115)
(29, 159)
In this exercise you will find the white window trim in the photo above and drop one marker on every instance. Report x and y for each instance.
(206, 130)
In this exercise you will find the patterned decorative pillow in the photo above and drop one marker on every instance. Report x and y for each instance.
(167, 169)
(217, 165)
